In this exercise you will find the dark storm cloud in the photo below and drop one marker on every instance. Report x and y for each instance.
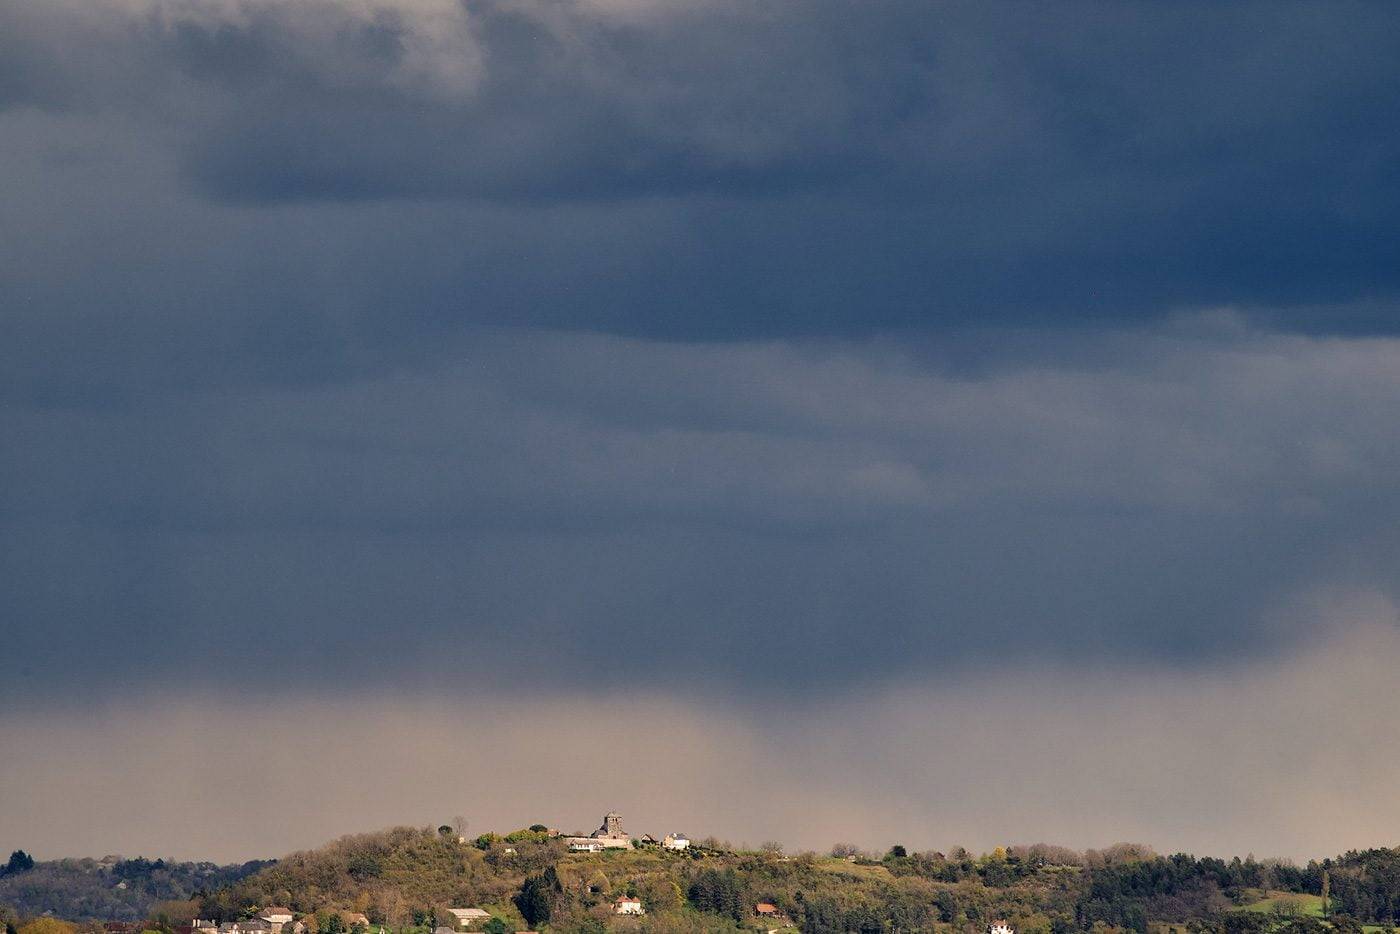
(765, 515)
(801, 167)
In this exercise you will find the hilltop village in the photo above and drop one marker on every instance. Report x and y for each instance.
(409, 880)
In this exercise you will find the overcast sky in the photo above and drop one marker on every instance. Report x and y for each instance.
(964, 423)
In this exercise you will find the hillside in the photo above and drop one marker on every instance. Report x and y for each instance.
(113, 888)
(404, 879)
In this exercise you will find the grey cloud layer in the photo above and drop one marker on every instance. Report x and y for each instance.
(779, 516)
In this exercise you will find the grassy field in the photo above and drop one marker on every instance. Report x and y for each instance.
(1309, 906)
(1288, 903)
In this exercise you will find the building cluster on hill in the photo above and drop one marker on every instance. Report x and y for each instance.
(272, 921)
(611, 836)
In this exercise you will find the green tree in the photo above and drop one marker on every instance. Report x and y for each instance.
(20, 861)
(660, 894)
(537, 897)
(718, 891)
(48, 926)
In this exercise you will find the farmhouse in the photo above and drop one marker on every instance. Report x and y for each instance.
(628, 905)
(772, 914)
(276, 917)
(254, 926)
(462, 919)
(1000, 927)
(675, 841)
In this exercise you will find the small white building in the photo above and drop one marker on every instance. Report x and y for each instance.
(628, 905)
(254, 926)
(276, 917)
(464, 918)
(675, 841)
(1001, 927)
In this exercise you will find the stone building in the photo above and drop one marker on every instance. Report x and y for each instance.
(610, 836)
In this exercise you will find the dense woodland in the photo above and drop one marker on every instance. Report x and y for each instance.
(403, 878)
(108, 889)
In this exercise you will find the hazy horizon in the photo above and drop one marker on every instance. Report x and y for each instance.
(1083, 763)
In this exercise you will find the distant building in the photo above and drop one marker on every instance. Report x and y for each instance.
(464, 918)
(675, 841)
(628, 905)
(252, 926)
(772, 914)
(610, 836)
(276, 917)
(1000, 927)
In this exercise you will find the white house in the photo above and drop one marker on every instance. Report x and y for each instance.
(675, 841)
(1001, 927)
(628, 905)
(254, 926)
(464, 918)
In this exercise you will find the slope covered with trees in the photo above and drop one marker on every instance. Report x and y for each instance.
(404, 879)
(113, 888)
